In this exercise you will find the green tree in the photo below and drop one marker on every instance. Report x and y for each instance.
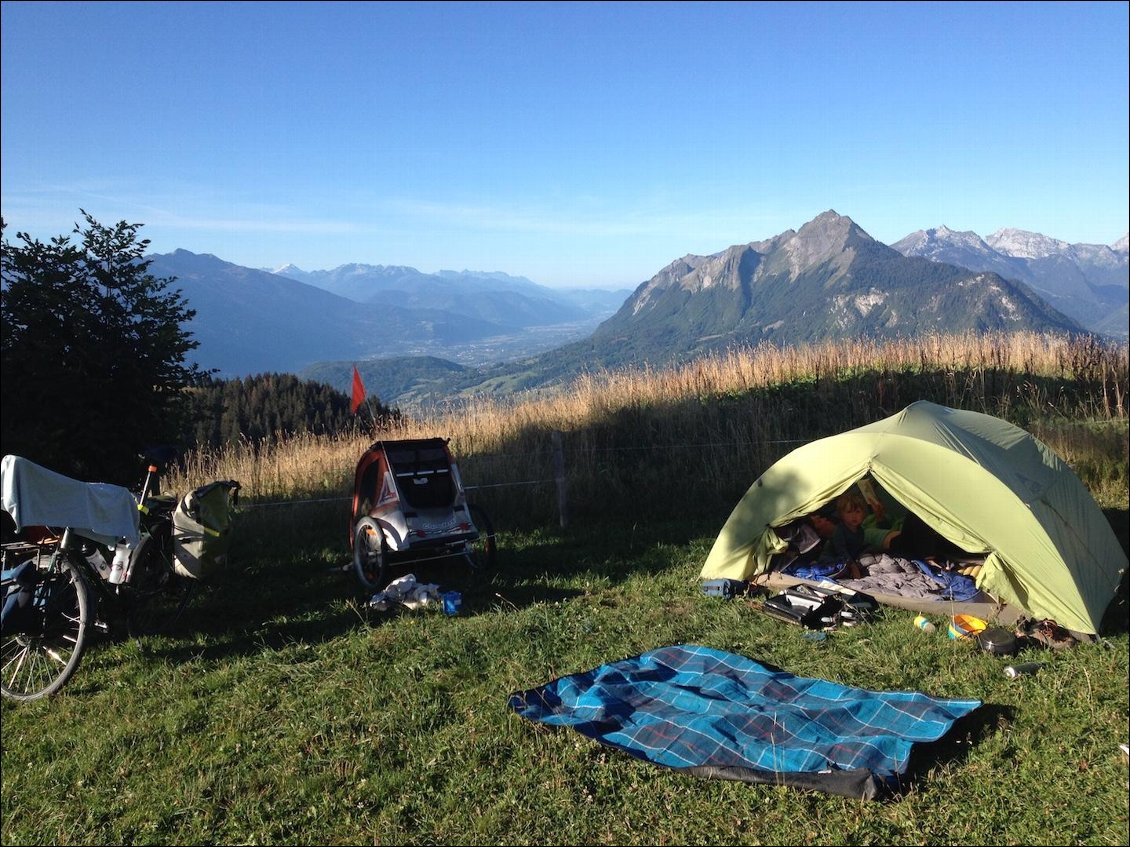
(92, 350)
(265, 406)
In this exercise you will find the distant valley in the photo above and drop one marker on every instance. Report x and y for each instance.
(419, 338)
(256, 321)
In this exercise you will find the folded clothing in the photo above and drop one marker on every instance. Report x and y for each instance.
(406, 592)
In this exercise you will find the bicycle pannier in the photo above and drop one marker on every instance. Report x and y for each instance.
(20, 608)
(202, 527)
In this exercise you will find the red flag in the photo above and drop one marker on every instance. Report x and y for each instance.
(358, 392)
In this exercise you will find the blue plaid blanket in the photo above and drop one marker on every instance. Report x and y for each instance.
(723, 715)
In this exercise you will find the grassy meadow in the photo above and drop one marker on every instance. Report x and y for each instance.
(283, 710)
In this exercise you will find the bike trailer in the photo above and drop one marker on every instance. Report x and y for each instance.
(202, 528)
(412, 489)
(409, 504)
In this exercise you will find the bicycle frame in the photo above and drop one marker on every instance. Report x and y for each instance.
(47, 620)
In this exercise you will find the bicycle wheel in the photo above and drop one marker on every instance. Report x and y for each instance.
(370, 555)
(38, 658)
(156, 594)
(481, 553)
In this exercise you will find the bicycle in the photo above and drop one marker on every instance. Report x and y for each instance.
(61, 583)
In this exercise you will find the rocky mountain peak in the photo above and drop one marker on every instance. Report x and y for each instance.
(938, 243)
(290, 270)
(1022, 244)
(829, 236)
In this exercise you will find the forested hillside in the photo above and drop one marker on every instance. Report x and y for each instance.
(265, 406)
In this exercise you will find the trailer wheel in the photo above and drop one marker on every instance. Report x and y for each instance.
(370, 555)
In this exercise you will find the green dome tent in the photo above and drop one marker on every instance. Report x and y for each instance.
(982, 483)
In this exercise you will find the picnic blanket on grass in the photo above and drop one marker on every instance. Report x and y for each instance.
(721, 715)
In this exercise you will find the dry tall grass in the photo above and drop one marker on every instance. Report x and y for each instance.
(714, 423)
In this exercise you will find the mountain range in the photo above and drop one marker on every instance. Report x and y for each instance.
(1087, 282)
(415, 334)
(829, 279)
(256, 321)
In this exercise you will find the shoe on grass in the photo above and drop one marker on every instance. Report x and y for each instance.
(1047, 633)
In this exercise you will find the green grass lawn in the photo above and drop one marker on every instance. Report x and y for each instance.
(285, 711)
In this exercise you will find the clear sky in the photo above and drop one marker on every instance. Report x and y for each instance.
(571, 143)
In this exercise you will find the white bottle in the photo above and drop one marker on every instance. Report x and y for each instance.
(121, 561)
(99, 563)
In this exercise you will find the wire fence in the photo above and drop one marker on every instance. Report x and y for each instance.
(564, 471)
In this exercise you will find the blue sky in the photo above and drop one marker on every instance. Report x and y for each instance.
(576, 144)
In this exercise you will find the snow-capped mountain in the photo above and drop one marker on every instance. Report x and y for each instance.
(1088, 282)
(964, 249)
(1026, 245)
(828, 280)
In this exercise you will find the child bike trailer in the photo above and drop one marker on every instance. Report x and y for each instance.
(409, 505)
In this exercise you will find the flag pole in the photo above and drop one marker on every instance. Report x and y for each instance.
(372, 417)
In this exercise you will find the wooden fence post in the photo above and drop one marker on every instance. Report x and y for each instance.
(559, 476)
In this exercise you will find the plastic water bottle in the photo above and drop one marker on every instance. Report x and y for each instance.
(452, 602)
(121, 561)
(924, 624)
(1013, 671)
